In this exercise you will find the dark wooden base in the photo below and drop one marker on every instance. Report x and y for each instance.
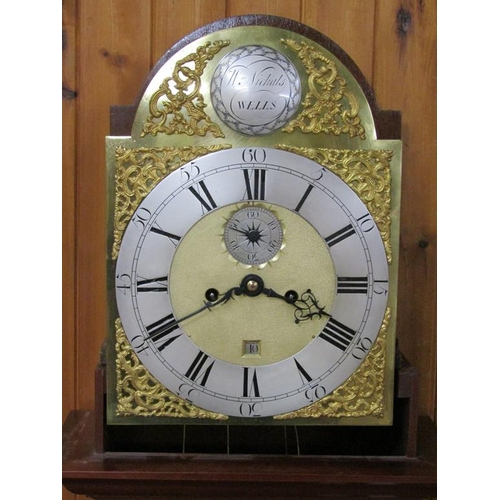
(144, 476)
(159, 462)
(398, 439)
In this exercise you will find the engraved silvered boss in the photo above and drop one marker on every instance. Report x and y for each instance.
(255, 90)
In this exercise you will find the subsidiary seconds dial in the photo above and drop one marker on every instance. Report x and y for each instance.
(253, 235)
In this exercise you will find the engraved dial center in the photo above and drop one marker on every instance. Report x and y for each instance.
(257, 326)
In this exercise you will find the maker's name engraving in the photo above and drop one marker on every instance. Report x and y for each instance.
(263, 78)
(255, 90)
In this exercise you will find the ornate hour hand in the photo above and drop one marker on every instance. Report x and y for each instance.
(307, 307)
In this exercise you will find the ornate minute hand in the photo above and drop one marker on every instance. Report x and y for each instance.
(162, 328)
(208, 304)
(306, 307)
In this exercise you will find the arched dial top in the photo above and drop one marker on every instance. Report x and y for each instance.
(224, 331)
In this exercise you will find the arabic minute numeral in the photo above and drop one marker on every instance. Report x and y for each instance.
(315, 392)
(362, 347)
(139, 344)
(366, 223)
(254, 155)
(250, 409)
(188, 172)
(380, 287)
(140, 218)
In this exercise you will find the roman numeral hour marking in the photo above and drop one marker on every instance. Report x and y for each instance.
(200, 368)
(352, 284)
(340, 235)
(250, 384)
(255, 190)
(205, 198)
(163, 328)
(337, 334)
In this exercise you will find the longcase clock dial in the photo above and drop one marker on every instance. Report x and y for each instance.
(251, 282)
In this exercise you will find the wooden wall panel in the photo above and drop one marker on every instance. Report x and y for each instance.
(68, 203)
(349, 23)
(283, 8)
(116, 42)
(113, 62)
(171, 23)
(405, 79)
(69, 95)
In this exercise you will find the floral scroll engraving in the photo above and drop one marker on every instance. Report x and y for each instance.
(140, 394)
(177, 107)
(329, 106)
(368, 173)
(362, 395)
(137, 173)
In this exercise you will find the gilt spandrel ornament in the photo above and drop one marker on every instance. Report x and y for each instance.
(329, 106)
(178, 106)
(367, 172)
(138, 170)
